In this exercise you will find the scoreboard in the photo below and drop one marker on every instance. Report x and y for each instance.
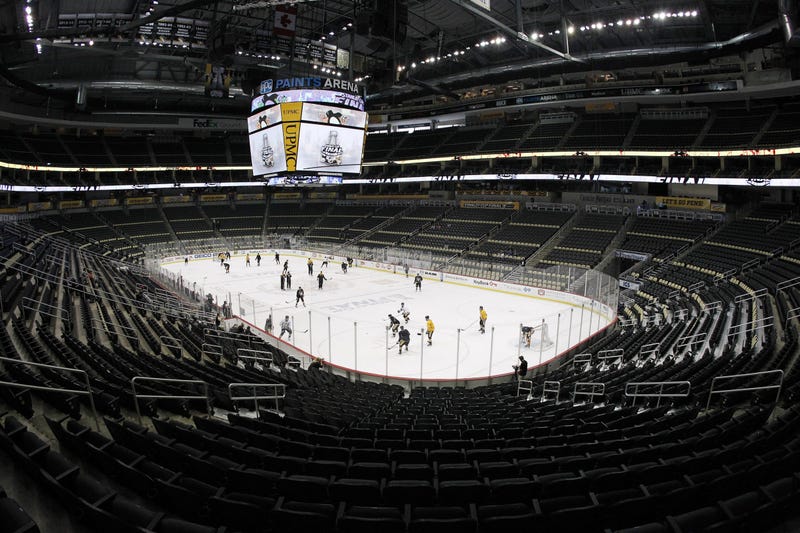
(307, 131)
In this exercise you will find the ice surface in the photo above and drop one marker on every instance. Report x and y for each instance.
(355, 306)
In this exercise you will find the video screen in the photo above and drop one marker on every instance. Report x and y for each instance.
(307, 137)
(337, 98)
(267, 151)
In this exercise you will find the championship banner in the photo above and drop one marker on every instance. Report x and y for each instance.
(488, 204)
(250, 196)
(70, 204)
(104, 202)
(213, 197)
(322, 195)
(11, 210)
(217, 81)
(39, 206)
(287, 196)
(139, 200)
(679, 202)
(176, 199)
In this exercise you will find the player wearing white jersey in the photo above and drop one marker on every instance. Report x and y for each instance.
(404, 312)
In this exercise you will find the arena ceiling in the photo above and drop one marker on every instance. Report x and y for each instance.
(152, 54)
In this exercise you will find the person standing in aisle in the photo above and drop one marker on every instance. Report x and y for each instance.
(429, 329)
(418, 282)
(300, 294)
(482, 319)
(286, 327)
(321, 278)
(310, 264)
(404, 339)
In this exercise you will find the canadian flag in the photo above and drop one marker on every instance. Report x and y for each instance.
(285, 19)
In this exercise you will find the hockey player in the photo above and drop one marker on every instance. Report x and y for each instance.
(283, 281)
(288, 280)
(527, 333)
(394, 324)
(429, 329)
(324, 264)
(300, 294)
(286, 327)
(418, 282)
(310, 265)
(186, 260)
(405, 268)
(404, 312)
(268, 324)
(482, 319)
(227, 267)
(221, 257)
(404, 339)
(286, 266)
(277, 258)
(247, 260)
(258, 259)
(344, 267)
(321, 279)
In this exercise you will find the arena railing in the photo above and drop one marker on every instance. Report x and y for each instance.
(88, 392)
(776, 373)
(137, 396)
(636, 393)
(278, 393)
(525, 386)
(588, 388)
(551, 387)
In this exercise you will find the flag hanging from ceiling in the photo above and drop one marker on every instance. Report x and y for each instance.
(285, 19)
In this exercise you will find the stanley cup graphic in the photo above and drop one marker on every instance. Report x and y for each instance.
(331, 153)
(266, 153)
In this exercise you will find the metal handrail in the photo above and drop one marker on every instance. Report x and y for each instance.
(240, 354)
(43, 308)
(595, 389)
(171, 342)
(581, 358)
(778, 372)
(168, 396)
(660, 394)
(650, 349)
(525, 385)
(255, 397)
(214, 352)
(549, 388)
(765, 322)
(88, 392)
(783, 285)
(614, 353)
(750, 296)
(690, 340)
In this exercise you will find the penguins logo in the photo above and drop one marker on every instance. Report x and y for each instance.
(332, 117)
(759, 182)
(263, 121)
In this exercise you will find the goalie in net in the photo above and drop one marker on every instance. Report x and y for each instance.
(537, 335)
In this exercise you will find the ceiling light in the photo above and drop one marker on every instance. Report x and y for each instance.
(571, 30)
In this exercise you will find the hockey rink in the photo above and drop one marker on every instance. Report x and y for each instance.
(346, 321)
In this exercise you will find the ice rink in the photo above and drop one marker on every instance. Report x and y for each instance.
(346, 321)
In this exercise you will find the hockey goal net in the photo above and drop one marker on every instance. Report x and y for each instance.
(535, 336)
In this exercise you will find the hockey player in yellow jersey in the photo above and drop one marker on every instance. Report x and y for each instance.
(482, 321)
